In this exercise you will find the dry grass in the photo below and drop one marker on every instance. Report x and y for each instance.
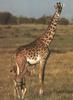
(59, 69)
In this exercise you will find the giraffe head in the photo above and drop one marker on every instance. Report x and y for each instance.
(58, 6)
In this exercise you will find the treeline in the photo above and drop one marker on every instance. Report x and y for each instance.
(7, 18)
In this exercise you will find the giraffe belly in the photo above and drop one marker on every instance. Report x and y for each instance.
(33, 60)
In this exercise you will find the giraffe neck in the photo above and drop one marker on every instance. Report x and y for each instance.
(48, 36)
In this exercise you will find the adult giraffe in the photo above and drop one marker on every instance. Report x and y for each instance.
(35, 53)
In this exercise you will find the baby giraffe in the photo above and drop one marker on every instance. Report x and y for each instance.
(34, 53)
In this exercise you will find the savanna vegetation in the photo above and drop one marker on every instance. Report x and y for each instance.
(59, 69)
(8, 18)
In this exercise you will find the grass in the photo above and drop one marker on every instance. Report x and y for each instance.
(59, 69)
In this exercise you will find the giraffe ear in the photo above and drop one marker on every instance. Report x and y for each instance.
(55, 6)
(63, 5)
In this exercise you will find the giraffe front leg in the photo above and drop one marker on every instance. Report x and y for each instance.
(33, 70)
(41, 78)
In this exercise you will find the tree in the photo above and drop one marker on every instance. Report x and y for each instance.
(4, 17)
(64, 21)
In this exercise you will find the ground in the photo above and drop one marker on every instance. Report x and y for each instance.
(59, 69)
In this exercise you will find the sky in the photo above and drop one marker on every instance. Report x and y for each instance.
(35, 8)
